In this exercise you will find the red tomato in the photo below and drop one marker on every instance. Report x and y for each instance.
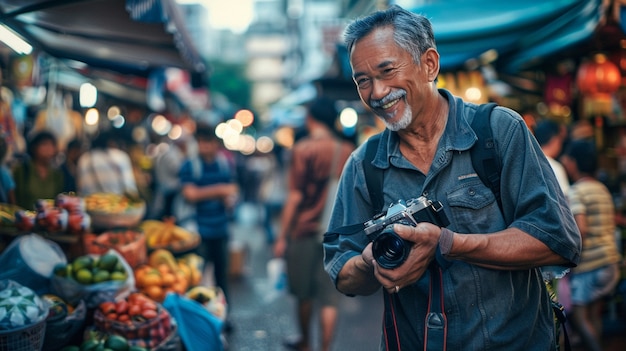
(107, 307)
(149, 305)
(134, 310)
(112, 316)
(121, 307)
(149, 314)
(123, 318)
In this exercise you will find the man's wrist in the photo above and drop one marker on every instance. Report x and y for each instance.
(363, 265)
(446, 239)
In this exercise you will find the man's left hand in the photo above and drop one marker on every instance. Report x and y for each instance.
(425, 237)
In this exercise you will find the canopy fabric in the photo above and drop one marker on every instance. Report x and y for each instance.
(103, 34)
(521, 31)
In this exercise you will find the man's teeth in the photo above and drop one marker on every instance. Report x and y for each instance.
(391, 103)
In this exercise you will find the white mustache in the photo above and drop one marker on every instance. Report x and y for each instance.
(390, 97)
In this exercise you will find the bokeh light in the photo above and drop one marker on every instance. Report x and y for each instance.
(161, 125)
(285, 136)
(92, 116)
(176, 132)
(113, 111)
(265, 144)
(348, 117)
(245, 117)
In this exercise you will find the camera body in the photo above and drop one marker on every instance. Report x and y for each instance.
(390, 250)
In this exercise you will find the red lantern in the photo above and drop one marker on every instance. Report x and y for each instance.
(599, 78)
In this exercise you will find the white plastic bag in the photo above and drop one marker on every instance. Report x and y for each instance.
(277, 278)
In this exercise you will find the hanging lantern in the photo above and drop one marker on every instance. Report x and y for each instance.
(599, 78)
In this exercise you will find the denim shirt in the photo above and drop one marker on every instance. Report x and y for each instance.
(486, 309)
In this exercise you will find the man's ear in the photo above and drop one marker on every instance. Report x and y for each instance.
(430, 60)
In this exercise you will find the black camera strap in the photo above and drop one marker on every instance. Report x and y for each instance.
(436, 323)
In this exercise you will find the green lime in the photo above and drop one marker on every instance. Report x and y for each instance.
(101, 276)
(82, 262)
(116, 343)
(89, 345)
(119, 276)
(119, 267)
(84, 276)
(108, 262)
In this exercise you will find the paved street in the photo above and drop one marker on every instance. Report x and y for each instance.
(262, 325)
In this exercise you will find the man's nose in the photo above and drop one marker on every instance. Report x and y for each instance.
(379, 89)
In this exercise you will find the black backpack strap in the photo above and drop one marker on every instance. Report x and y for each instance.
(484, 154)
(373, 176)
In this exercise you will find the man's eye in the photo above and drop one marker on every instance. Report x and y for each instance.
(388, 71)
(363, 82)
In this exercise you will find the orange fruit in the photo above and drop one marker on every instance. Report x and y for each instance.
(152, 279)
(179, 288)
(140, 273)
(168, 279)
(164, 268)
(155, 292)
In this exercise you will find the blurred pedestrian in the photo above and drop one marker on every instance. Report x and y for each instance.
(209, 182)
(38, 177)
(166, 177)
(7, 184)
(106, 168)
(73, 151)
(299, 238)
(597, 274)
(550, 137)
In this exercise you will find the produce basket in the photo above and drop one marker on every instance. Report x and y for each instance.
(28, 338)
(148, 333)
(130, 243)
(128, 218)
(108, 210)
(168, 236)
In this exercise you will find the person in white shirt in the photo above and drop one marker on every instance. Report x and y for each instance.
(550, 137)
(105, 169)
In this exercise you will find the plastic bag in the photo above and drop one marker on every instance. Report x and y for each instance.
(198, 328)
(72, 291)
(277, 279)
(30, 260)
(60, 333)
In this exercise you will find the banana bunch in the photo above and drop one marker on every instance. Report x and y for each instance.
(202, 294)
(165, 234)
(7, 214)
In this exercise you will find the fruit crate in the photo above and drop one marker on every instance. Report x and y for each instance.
(28, 338)
(130, 243)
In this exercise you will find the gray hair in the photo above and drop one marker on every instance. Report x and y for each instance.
(412, 32)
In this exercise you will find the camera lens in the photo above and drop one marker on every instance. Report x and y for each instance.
(390, 250)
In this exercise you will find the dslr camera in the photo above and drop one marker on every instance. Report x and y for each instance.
(389, 249)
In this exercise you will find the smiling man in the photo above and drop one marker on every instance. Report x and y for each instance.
(486, 278)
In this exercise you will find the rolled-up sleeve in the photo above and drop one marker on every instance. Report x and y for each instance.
(352, 206)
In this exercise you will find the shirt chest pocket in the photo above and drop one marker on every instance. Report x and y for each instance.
(474, 207)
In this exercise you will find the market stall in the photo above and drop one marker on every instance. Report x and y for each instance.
(132, 284)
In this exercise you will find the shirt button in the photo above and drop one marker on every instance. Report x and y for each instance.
(425, 193)
(472, 192)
